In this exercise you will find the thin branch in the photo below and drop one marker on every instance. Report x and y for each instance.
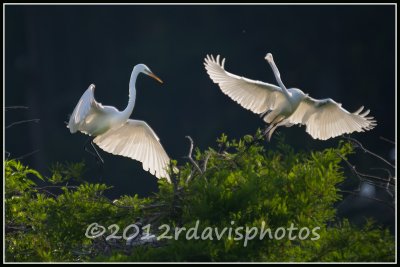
(20, 122)
(189, 156)
(387, 183)
(15, 107)
(371, 198)
(387, 140)
(358, 143)
(376, 184)
(189, 177)
(206, 161)
(27, 154)
(388, 190)
(359, 174)
(390, 176)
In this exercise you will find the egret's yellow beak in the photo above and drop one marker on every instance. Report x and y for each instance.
(152, 75)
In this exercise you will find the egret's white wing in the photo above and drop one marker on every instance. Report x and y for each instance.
(135, 139)
(86, 105)
(253, 95)
(325, 118)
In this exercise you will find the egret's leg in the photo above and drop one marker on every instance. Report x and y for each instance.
(87, 150)
(95, 155)
(267, 129)
(273, 126)
(271, 132)
(265, 113)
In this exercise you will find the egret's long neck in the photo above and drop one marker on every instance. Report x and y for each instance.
(277, 75)
(132, 94)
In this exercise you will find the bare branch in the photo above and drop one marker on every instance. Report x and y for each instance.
(15, 107)
(189, 177)
(358, 143)
(27, 154)
(206, 161)
(360, 175)
(387, 140)
(390, 176)
(388, 190)
(20, 122)
(189, 156)
(371, 198)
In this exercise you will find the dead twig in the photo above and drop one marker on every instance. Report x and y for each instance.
(358, 144)
(27, 154)
(387, 140)
(371, 198)
(20, 122)
(15, 107)
(206, 161)
(189, 156)
(387, 184)
(361, 176)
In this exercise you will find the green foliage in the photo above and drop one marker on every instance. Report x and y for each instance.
(242, 184)
(48, 223)
(68, 171)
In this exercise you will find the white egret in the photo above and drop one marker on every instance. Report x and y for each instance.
(115, 133)
(279, 106)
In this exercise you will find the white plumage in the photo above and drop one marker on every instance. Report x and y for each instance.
(323, 118)
(115, 133)
(135, 139)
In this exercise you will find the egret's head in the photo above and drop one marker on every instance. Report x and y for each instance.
(146, 70)
(269, 58)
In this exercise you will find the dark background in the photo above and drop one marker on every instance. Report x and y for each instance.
(53, 53)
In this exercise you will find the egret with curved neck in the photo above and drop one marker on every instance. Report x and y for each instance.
(115, 133)
(279, 106)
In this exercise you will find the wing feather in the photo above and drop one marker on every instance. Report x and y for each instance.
(252, 95)
(326, 118)
(86, 104)
(135, 139)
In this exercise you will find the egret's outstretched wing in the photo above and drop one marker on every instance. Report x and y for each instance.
(253, 95)
(135, 139)
(325, 118)
(85, 106)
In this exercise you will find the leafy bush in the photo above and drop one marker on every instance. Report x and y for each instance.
(239, 184)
